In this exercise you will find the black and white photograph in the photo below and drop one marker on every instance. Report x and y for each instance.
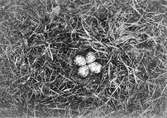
(83, 58)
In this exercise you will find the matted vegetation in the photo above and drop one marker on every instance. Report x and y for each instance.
(40, 39)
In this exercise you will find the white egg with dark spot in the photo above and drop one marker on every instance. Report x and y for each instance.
(83, 71)
(90, 57)
(95, 67)
(80, 60)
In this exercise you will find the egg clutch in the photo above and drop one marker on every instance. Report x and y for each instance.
(87, 64)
